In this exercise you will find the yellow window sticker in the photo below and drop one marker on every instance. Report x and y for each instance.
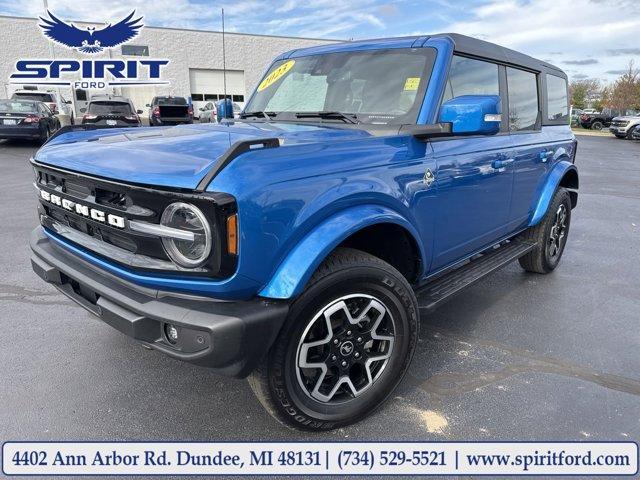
(274, 76)
(412, 83)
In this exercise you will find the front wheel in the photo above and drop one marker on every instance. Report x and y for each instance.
(346, 344)
(597, 126)
(550, 235)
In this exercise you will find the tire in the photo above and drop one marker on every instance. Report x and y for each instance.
(546, 255)
(369, 289)
(597, 125)
(44, 135)
(629, 135)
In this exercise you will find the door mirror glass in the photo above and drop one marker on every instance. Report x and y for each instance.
(82, 110)
(472, 114)
(139, 112)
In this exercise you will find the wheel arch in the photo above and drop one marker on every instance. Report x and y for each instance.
(374, 229)
(564, 174)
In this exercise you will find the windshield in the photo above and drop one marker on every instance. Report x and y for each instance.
(18, 106)
(380, 86)
(109, 108)
(171, 101)
(41, 97)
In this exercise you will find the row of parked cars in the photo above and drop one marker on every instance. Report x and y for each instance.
(622, 126)
(32, 114)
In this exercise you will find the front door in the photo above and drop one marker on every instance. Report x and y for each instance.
(474, 180)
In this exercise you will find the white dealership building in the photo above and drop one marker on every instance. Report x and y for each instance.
(195, 56)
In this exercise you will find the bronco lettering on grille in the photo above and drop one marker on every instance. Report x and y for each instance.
(83, 210)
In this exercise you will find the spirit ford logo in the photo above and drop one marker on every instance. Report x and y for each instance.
(97, 74)
(85, 211)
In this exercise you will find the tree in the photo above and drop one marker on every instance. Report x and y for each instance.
(625, 92)
(584, 91)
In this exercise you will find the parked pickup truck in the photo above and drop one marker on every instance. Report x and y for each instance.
(364, 184)
(169, 111)
(595, 121)
(622, 127)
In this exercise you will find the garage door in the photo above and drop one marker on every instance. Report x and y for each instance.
(208, 85)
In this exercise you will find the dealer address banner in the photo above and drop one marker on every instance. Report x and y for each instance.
(321, 458)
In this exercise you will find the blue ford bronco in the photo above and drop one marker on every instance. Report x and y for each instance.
(363, 184)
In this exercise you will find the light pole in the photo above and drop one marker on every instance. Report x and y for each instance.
(53, 57)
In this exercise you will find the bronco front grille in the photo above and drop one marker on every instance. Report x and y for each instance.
(111, 237)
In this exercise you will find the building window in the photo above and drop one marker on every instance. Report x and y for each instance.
(135, 50)
(523, 100)
(238, 98)
(211, 96)
(557, 101)
(471, 77)
(81, 95)
(197, 97)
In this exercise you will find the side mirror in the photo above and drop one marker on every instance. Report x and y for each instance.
(201, 109)
(472, 114)
(83, 110)
(147, 105)
(139, 112)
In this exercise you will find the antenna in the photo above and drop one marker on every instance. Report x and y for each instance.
(224, 60)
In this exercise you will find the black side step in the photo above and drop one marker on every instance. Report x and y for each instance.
(436, 292)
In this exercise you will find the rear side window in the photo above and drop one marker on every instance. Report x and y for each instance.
(523, 100)
(557, 100)
(468, 76)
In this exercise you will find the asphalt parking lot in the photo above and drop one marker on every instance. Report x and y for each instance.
(517, 357)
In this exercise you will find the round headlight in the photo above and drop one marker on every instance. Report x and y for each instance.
(193, 252)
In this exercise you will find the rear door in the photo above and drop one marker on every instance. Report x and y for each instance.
(533, 155)
(474, 174)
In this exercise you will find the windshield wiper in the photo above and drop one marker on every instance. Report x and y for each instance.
(347, 117)
(258, 114)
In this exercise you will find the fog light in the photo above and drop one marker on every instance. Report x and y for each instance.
(171, 333)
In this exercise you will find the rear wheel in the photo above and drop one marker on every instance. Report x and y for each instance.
(346, 344)
(597, 125)
(45, 133)
(550, 236)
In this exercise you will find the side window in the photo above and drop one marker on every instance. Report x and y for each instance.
(523, 100)
(557, 101)
(468, 76)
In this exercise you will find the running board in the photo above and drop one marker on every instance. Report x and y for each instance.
(438, 291)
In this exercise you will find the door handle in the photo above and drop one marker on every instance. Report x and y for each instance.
(545, 155)
(498, 164)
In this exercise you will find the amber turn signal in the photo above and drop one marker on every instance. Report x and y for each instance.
(232, 234)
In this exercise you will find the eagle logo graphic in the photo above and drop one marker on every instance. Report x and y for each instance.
(89, 40)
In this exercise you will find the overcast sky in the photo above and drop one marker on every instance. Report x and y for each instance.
(587, 38)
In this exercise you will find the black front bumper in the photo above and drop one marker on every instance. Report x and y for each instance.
(230, 337)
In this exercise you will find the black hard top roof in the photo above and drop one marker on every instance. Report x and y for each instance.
(480, 48)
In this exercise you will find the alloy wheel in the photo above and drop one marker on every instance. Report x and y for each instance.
(558, 232)
(345, 348)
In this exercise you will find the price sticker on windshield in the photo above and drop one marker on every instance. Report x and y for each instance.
(411, 84)
(276, 75)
